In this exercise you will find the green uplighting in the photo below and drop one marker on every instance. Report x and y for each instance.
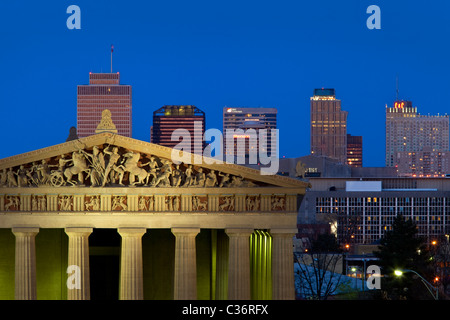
(261, 265)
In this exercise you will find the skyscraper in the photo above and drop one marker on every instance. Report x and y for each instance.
(103, 92)
(241, 122)
(169, 118)
(408, 131)
(328, 126)
(354, 151)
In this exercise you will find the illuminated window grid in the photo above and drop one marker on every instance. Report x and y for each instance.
(364, 220)
(104, 92)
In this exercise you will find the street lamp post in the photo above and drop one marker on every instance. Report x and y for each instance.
(428, 285)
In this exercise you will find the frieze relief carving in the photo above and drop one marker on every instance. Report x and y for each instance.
(92, 203)
(253, 203)
(199, 203)
(65, 203)
(146, 203)
(278, 203)
(110, 165)
(12, 203)
(227, 203)
(119, 203)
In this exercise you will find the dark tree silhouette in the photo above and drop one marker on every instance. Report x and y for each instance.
(402, 249)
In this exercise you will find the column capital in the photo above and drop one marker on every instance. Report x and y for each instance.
(25, 230)
(78, 230)
(132, 231)
(185, 231)
(239, 231)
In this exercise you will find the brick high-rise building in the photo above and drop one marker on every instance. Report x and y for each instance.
(104, 91)
(169, 118)
(328, 126)
(408, 131)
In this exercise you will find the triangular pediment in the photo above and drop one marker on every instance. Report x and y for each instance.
(108, 159)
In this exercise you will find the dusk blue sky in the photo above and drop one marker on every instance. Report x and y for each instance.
(213, 54)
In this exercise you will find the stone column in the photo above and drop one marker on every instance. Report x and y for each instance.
(185, 278)
(239, 264)
(131, 273)
(25, 263)
(282, 264)
(222, 266)
(78, 282)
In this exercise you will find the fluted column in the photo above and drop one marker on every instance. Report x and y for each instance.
(78, 283)
(282, 264)
(131, 274)
(239, 264)
(185, 278)
(222, 266)
(25, 263)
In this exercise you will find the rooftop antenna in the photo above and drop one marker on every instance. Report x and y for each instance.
(112, 49)
(396, 85)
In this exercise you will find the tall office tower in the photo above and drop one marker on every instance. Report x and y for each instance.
(104, 91)
(354, 150)
(409, 131)
(328, 126)
(242, 122)
(169, 118)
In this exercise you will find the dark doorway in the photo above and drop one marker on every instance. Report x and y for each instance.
(104, 263)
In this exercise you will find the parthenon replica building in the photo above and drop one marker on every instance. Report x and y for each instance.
(111, 217)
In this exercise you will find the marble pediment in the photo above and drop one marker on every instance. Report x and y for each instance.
(111, 160)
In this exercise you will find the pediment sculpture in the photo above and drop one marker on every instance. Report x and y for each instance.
(111, 165)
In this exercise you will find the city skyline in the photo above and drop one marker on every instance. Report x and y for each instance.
(215, 56)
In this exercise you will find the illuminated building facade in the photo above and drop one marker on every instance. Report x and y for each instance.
(104, 92)
(242, 122)
(425, 163)
(149, 231)
(169, 118)
(361, 211)
(354, 150)
(328, 126)
(410, 132)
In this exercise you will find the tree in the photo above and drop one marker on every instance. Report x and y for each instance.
(317, 277)
(402, 249)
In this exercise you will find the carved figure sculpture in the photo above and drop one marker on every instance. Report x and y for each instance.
(22, 180)
(197, 204)
(97, 160)
(119, 201)
(189, 180)
(11, 178)
(278, 203)
(112, 166)
(142, 204)
(211, 179)
(153, 165)
(79, 166)
(163, 176)
(225, 179)
(200, 178)
(65, 203)
(228, 203)
(93, 204)
(176, 203)
(176, 176)
(131, 166)
(13, 202)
